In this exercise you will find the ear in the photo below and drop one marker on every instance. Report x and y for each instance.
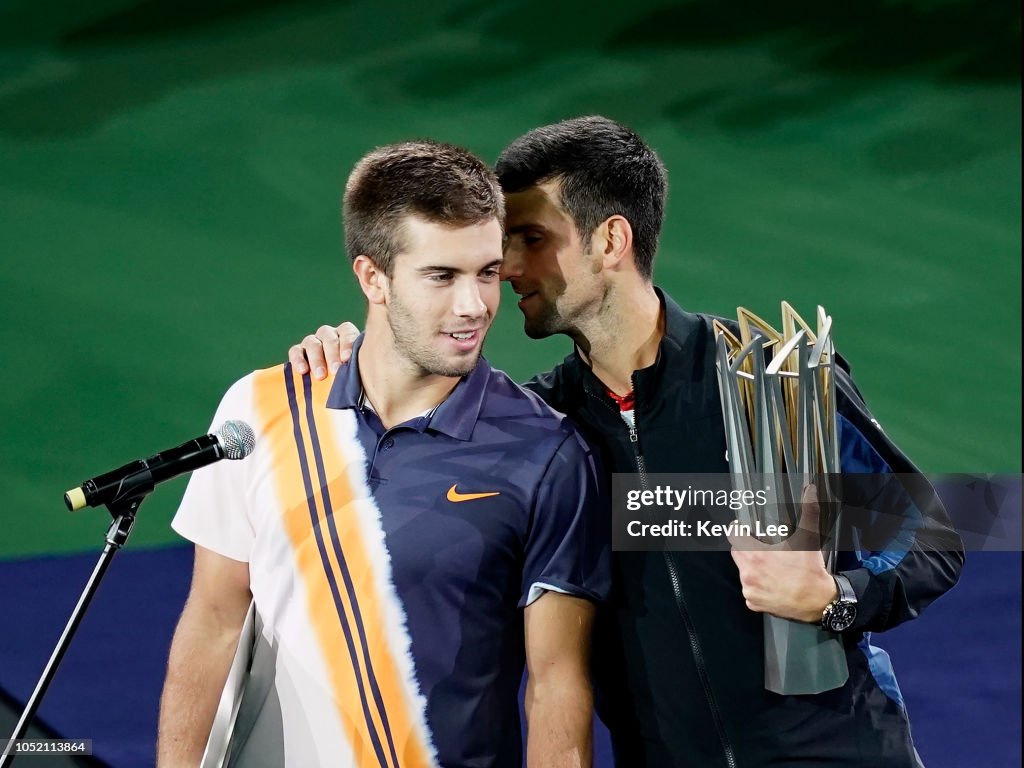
(612, 241)
(372, 280)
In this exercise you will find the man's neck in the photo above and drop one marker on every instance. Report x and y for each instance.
(397, 390)
(623, 336)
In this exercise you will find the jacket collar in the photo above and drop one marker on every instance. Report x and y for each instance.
(683, 332)
(682, 328)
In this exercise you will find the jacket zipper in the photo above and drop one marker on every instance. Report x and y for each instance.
(673, 574)
(698, 657)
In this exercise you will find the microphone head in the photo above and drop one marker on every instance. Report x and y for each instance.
(236, 438)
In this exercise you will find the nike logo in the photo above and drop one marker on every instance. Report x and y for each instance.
(454, 495)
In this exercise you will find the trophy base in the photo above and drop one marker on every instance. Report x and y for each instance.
(802, 658)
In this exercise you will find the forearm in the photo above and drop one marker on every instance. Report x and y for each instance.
(201, 653)
(915, 553)
(559, 713)
(890, 594)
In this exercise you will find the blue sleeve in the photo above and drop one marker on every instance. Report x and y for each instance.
(568, 544)
(911, 553)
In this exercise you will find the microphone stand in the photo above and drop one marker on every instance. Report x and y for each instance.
(123, 507)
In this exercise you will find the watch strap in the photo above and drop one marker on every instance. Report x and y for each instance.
(846, 592)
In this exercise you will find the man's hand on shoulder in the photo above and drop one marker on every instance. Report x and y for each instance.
(324, 351)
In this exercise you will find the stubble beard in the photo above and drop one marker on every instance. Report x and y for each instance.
(547, 323)
(419, 353)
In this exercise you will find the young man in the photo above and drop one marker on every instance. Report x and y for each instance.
(408, 534)
(679, 652)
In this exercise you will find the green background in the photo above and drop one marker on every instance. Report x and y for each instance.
(170, 175)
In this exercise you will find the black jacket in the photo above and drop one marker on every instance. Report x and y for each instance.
(678, 658)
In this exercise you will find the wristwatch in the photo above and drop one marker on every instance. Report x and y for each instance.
(839, 615)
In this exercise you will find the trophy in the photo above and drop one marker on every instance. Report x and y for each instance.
(779, 405)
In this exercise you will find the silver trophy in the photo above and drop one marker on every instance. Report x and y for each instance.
(778, 402)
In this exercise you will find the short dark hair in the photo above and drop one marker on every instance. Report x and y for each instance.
(604, 168)
(441, 183)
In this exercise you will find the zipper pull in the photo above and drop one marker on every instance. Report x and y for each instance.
(632, 435)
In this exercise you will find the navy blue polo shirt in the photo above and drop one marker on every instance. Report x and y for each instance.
(486, 501)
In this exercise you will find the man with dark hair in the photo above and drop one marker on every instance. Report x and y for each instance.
(679, 659)
(603, 169)
(410, 534)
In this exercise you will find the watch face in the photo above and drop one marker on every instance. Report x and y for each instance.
(841, 616)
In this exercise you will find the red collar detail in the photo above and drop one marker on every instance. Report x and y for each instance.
(625, 402)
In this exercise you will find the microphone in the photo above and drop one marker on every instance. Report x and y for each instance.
(234, 440)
